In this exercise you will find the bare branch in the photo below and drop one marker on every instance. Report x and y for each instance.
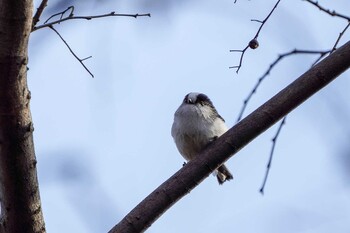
(295, 51)
(63, 18)
(267, 72)
(334, 46)
(319, 58)
(340, 36)
(254, 44)
(70, 49)
(255, 39)
(195, 171)
(61, 14)
(72, 17)
(274, 139)
(322, 54)
(331, 13)
(39, 11)
(240, 60)
(245, 102)
(83, 59)
(265, 20)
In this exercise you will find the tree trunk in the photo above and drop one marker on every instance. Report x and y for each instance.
(19, 189)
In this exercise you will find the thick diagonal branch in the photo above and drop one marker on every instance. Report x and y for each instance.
(187, 178)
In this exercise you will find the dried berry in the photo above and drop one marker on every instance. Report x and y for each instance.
(253, 44)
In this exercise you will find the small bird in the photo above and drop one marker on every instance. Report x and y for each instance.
(196, 125)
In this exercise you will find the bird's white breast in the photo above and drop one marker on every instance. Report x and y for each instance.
(194, 128)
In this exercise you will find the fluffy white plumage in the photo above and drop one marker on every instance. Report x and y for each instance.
(196, 124)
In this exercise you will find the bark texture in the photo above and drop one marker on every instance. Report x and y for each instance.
(19, 190)
(182, 182)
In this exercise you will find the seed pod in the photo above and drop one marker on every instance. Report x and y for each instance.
(253, 44)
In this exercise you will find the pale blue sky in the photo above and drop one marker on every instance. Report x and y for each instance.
(104, 144)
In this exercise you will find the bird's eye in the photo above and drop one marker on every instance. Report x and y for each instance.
(188, 101)
(185, 99)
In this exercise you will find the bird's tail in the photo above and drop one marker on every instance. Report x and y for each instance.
(223, 174)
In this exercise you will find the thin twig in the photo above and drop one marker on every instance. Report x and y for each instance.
(340, 36)
(238, 67)
(256, 20)
(274, 139)
(319, 58)
(39, 11)
(83, 59)
(265, 20)
(267, 72)
(241, 58)
(72, 17)
(331, 13)
(72, 52)
(61, 14)
(334, 46)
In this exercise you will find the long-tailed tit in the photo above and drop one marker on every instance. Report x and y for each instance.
(197, 124)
